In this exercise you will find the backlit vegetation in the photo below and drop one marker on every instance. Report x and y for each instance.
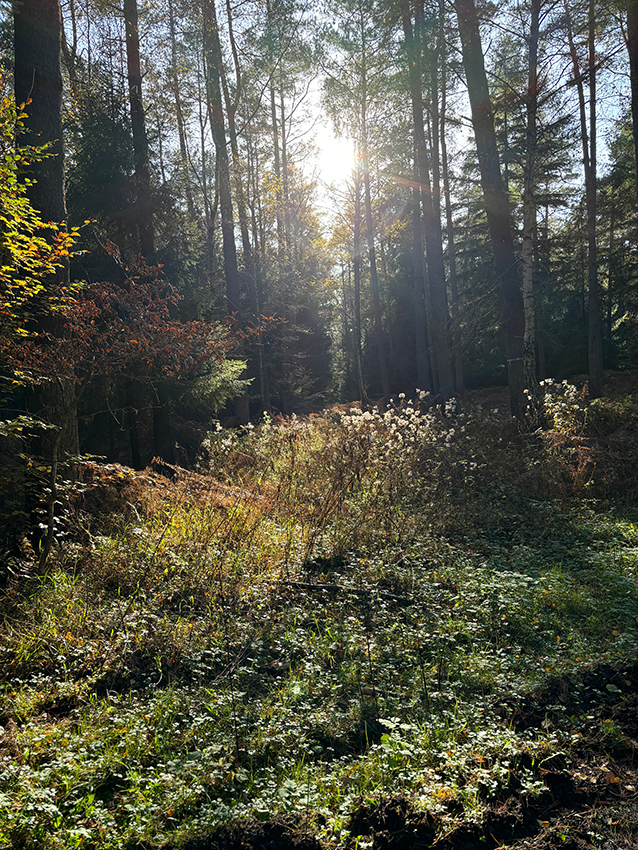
(329, 612)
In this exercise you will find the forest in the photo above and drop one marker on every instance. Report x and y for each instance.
(318, 424)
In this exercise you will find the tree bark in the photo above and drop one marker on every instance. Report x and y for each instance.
(611, 276)
(374, 279)
(144, 203)
(179, 114)
(240, 195)
(595, 346)
(367, 199)
(210, 209)
(431, 214)
(421, 316)
(632, 49)
(496, 203)
(278, 188)
(38, 79)
(449, 223)
(69, 56)
(162, 438)
(213, 65)
(529, 213)
(285, 177)
(356, 263)
(422, 371)
(588, 143)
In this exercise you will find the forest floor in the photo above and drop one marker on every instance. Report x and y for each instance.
(590, 796)
(413, 629)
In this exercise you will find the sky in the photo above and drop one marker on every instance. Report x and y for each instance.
(336, 158)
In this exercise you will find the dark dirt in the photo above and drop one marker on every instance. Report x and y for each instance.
(590, 801)
(284, 831)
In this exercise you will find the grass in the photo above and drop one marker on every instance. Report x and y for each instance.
(328, 615)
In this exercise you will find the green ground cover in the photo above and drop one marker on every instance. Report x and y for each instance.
(326, 615)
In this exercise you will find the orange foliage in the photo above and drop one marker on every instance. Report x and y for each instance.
(117, 328)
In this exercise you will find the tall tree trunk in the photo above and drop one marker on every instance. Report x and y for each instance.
(496, 203)
(346, 344)
(431, 214)
(367, 197)
(276, 151)
(422, 372)
(285, 177)
(281, 236)
(210, 209)
(253, 200)
(611, 274)
(179, 113)
(449, 223)
(529, 212)
(356, 263)
(632, 48)
(436, 265)
(213, 65)
(162, 438)
(374, 278)
(418, 260)
(277, 163)
(239, 182)
(38, 78)
(595, 347)
(69, 56)
(240, 195)
(242, 403)
(216, 84)
(588, 142)
(143, 204)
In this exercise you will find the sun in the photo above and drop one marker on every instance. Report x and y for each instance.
(335, 157)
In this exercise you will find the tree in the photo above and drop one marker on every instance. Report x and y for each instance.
(213, 60)
(619, 257)
(352, 91)
(496, 202)
(121, 331)
(144, 209)
(34, 252)
(37, 28)
(529, 209)
(32, 287)
(451, 247)
(588, 138)
(429, 196)
(632, 49)
(117, 329)
(38, 83)
(100, 184)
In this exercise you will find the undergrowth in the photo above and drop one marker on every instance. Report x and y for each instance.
(327, 613)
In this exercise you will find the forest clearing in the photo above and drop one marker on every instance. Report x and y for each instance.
(403, 629)
(300, 544)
